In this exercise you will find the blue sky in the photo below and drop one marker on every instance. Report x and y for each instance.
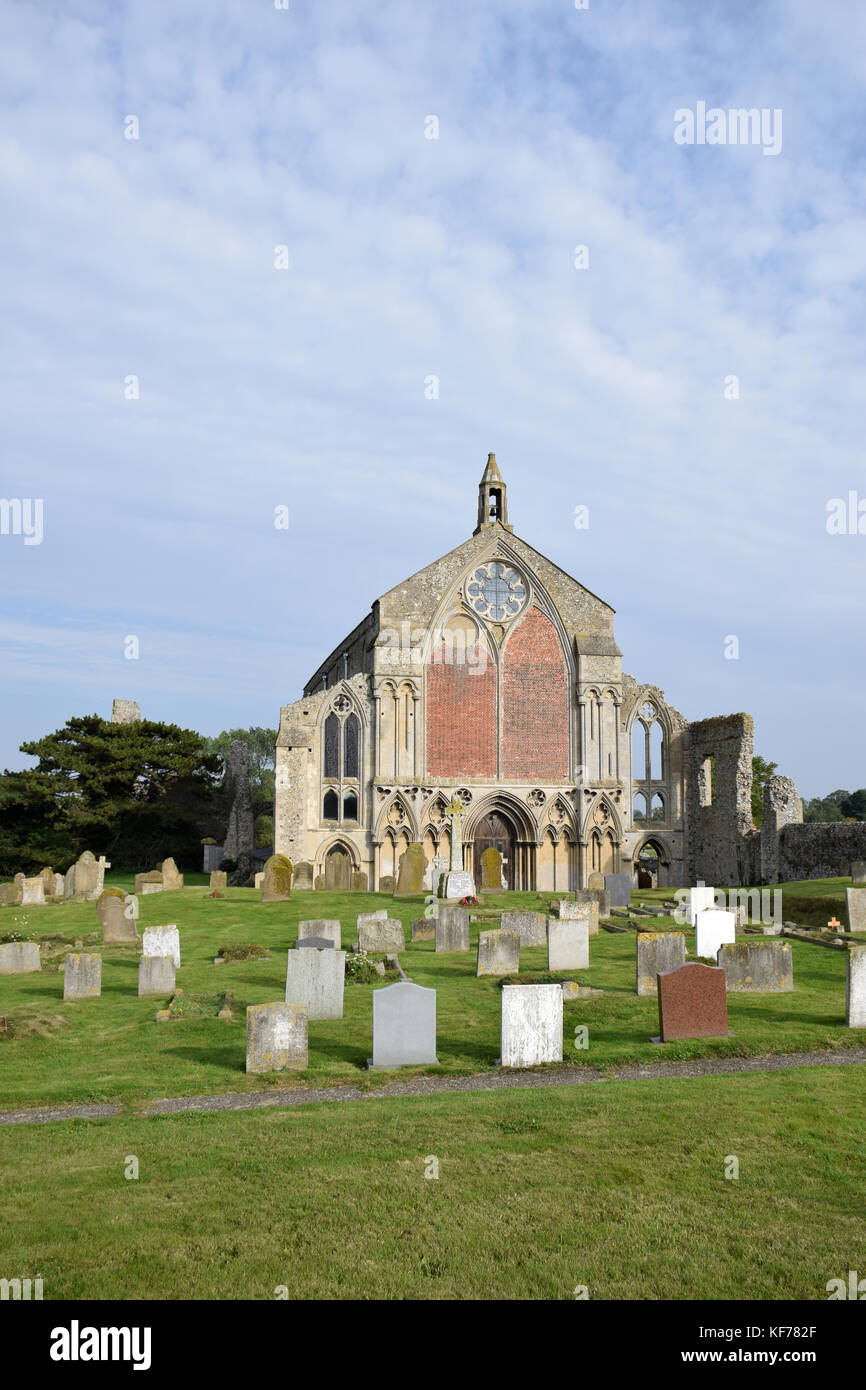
(411, 257)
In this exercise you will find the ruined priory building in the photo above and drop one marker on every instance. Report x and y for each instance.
(494, 677)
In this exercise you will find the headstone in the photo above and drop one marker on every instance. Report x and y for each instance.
(858, 871)
(219, 879)
(162, 941)
(277, 886)
(596, 882)
(498, 953)
(692, 1002)
(316, 978)
(276, 1037)
(423, 928)
(491, 871)
(150, 882)
(101, 865)
(451, 929)
(456, 885)
(701, 899)
(303, 874)
(855, 899)
(18, 881)
(327, 928)
(386, 883)
(117, 912)
(531, 1025)
(618, 887)
(568, 945)
(855, 991)
(82, 977)
(531, 927)
(359, 882)
(655, 952)
(19, 958)
(440, 866)
(171, 879)
(365, 918)
(404, 1026)
(713, 929)
(47, 876)
(338, 872)
(58, 886)
(86, 876)
(757, 967)
(258, 881)
(410, 879)
(382, 937)
(8, 894)
(317, 943)
(319, 883)
(580, 912)
(155, 976)
(34, 892)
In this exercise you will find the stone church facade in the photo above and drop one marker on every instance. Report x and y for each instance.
(493, 677)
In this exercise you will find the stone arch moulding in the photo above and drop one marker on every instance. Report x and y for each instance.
(510, 806)
(659, 842)
(611, 823)
(336, 842)
(409, 821)
(335, 705)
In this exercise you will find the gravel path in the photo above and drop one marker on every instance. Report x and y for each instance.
(442, 1085)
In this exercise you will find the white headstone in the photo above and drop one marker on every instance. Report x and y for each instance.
(855, 994)
(568, 944)
(700, 900)
(714, 928)
(531, 1025)
(162, 941)
(34, 891)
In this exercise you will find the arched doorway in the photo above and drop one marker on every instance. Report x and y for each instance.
(495, 831)
(650, 865)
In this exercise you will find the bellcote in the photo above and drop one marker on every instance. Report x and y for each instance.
(492, 498)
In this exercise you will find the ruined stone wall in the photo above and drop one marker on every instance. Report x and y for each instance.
(719, 817)
(819, 851)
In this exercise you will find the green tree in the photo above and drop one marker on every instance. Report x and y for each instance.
(262, 746)
(854, 806)
(761, 771)
(134, 792)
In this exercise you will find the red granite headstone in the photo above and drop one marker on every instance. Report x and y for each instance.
(692, 1002)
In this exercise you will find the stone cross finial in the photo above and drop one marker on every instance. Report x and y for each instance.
(455, 811)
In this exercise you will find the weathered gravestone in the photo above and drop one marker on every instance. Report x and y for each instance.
(365, 918)
(47, 876)
(34, 892)
(701, 899)
(438, 868)
(596, 882)
(757, 967)
(498, 953)
(692, 1002)
(117, 912)
(162, 941)
(85, 877)
(404, 1026)
(303, 874)
(171, 879)
(855, 901)
(855, 989)
(316, 979)
(360, 883)
(451, 928)
(8, 894)
(531, 927)
(382, 937)
(155, 976)
(82, 977)
(423, 928)
(150, 882)
(858, 871)
(319, 883)
(58, 886)
(386, 883)
(338, 872)
(579, 912)
(657, 951)
(618, 888)
(219, 879)
(714, 928)
(276, 1037)
(491, 871)
(277, 887)
(318, 943)
(568, 945)
(531, 1025)
(19, 958)
(410, 878)
(326, 928)
(258, 881)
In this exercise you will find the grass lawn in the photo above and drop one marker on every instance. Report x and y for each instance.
(111, 1048)
(619, 1187)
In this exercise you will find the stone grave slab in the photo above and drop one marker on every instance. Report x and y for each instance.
(19, 958)
(34, 891)
(277, 886)
(383, 937)
(531, 927)
(714, 928)
(692, 1002)
(117, 912)
(855, 990)
(858, 871)
(316, 978)
(82, 977)
(155, 976)
(855, 901)
(412, 867)
(451, 929)
(321, 927)
(568, 944)
(757, 967)
(423, 928)
(531, 1025)
(162, 941)
(404, 1026)
(618, 888)
(655, 952)
(498, 953)
(276, 1037)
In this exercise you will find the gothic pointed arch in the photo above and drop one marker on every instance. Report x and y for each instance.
(396, 814)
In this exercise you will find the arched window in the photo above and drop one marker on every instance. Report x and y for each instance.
(657, 756)
(351, 738)
(341, 762)
(350, 806)
(332, 746)
(330, 806)
(639, 807)
(638, 752)
(657, 807)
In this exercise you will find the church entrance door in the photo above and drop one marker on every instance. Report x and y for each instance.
(494, 832)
